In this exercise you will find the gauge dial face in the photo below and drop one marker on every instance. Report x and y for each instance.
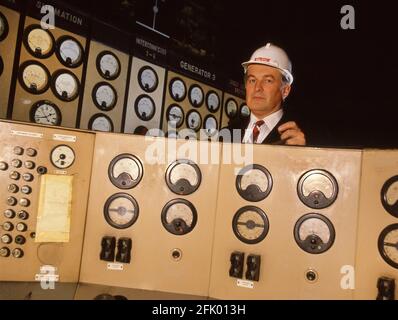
(244, 111)
(62, 156)
(70, 51)
(196, 95)
(231, 108)
(388, 245)
(45, 112)
(125, 171)
(3, 27)
(65, 85)
(250, 224)
(121, 210)
(194, 120)
(39, 42)
(108, 65)
(314, 233)
(210, 125)
(34, 77)
(177, 88)
(179, 216)
(389, 196)
(148, 79)
(175, 116)
(104, 96)
(183, 177)
(100, 122)
(254, 183)
(144, 107)
(317, 189)
(212, 101)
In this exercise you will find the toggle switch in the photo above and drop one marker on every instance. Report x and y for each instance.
(108, 245)
(386, 288)
(253, 267)
(124, 250)
(237, 260)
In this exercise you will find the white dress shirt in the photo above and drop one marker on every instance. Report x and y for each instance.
(270, 122)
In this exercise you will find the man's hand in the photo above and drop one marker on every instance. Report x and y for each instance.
(291, 134)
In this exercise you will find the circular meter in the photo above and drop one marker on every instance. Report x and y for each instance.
(195, 95)
(231, 108)
(108, 65)
(194, 120)
(3, 27)
(177, 89)
(250, 224)
(244, 111)
(100, 122)
(144, 107)
(212, 101)
(210, 125)
(69, 51)
(388, 245)
(62, 156)
(104, 96)
(317, 189)
(125, 171)
(45, 112)
(175, 116)
(121, 210)
(389, 196)
(254, 183)
(179, 216)
(39, 42)
(183, 177)
(314, 233)
(34, 77)
(65, 85)
(148, 79)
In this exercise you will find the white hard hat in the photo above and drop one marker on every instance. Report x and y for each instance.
(273, 56)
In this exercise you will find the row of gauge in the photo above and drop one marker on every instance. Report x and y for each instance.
(55, 59)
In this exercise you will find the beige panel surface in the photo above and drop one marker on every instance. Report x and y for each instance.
(284, 263)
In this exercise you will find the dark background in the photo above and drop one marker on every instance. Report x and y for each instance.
(344, 93)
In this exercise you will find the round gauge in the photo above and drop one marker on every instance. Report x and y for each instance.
(194, 120)
(69, 51)
(121, 210)
(65, 85)
(34, 77)
(62, 156)
(183, 177)
(389, 196)
(317, 189)
(175, 116)
(108, 65)
(210, 125)
(244, 111)
(231, 108)
(148, 79)
(250, 224)
(388, 245)
(314, 233)
(212, 101)
(144, 107)
(125, 171)
(141, 130)
(104, 96)
(3, 27)
(179, 216)
(100, 122)
(45, 112)
(196, 95)
(1, 66)
(39, 42)
(254, 183)
(177, 89)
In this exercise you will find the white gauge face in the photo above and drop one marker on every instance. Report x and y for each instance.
(196, 95)
(121, 211)
(213, 101)
(46, 114)
(148, 79)
(178, 89)
(392, 194)
(126, 165)
(62, 156)
(318, 182)
(184, 171)
(102, 123)
(211, 125)
(250, 225)
(390, 245)
(105, 96)
(109, 65)
(232, 108)
(40, 41)
(314, 226)
(66, 86)
(35, 77)
(245, 111)
(70, 51)
(175, 116)
(180, 211)
(194, 120)
(145, 108)
(255, 177)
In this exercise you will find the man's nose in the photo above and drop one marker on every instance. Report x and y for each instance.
(258, 86)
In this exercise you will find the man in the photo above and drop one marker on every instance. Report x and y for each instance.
(268, 80)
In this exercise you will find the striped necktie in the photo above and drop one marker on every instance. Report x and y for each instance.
(256, 130)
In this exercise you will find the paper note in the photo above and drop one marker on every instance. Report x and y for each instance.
(54, 211)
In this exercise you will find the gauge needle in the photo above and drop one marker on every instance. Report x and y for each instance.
(394, 245)
(175, 116)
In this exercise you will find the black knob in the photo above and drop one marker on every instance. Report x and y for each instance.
(41, 170)
(108, 245)
(386, 288)
(237, 260)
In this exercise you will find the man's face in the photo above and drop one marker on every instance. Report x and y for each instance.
(264, 89)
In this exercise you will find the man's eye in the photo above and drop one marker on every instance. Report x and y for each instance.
(251, 81)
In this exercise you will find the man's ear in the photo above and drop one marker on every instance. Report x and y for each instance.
(285, 91)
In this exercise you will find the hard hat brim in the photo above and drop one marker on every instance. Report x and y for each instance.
(288, 75)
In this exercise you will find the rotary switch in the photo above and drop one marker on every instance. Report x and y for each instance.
(108, 245)
(123, 254)
(237, 263)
